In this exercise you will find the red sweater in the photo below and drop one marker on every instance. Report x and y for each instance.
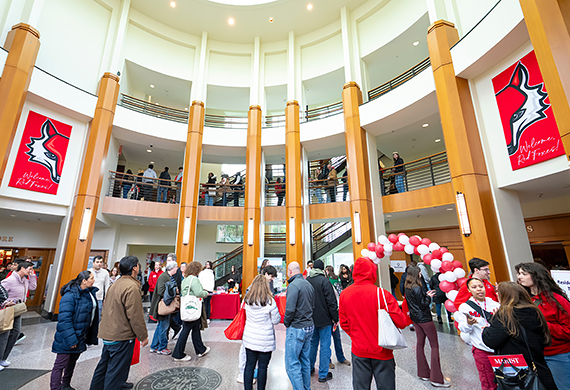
(152, 279)
(358, 312)
(463, 295)
(558, 323)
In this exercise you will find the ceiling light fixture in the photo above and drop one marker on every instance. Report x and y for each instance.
(12, 215)
(152, 162)
(271, 20)
(231, 21)
(438, 140)
(149, 150)
(152, 85)
(450, 209)
(425, 125)
(310, 7)
(415, 43)
(173, 4)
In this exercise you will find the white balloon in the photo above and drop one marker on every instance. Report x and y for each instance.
(377, 260)
(435, 263)
(372, 256)
(387, 253)
(433, 246)
(364, 252)
(447, 256)
(404, 240)
(409, 249)
(435, 270)
(452, 295)
(441, 277)
(459, 272)
(423, 249)
(383, 239)
(450, 277)
(388, 247)
(419, 238)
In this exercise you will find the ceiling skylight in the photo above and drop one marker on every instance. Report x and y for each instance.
(243, 2)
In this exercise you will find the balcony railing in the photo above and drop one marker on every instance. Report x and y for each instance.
(426, 172)
(325, 234)
(324, 191)
(137, 187)
(224, 195)
(225, 122)
(153, 109)
(314, 114)
(398, 80)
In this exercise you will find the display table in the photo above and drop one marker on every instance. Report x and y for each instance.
(281, 301)
(224, 306)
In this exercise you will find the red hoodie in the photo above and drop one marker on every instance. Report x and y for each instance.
(558, 323)
(463, 295)
(358, 312)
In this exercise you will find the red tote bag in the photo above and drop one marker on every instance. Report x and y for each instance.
(235, 330)
(136, 353)
(406, 312)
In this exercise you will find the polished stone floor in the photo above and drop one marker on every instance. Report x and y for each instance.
(35, 353)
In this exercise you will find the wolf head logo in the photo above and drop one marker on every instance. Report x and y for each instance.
(525, 106)
(47, 150)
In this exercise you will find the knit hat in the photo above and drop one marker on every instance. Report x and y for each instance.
(319, 264)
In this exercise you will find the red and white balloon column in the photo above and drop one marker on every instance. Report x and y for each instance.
(452, 275)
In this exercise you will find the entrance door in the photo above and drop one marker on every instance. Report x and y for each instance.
(42, 259)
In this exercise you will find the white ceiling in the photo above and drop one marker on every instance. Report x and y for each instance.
(196, 16)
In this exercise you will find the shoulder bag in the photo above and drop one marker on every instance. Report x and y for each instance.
(389, 336)
(19, 309)
(190, 306)
(235, 330)
(164, 310)
(6, 319)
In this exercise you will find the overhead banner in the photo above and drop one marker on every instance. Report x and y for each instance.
(41, 155)
(531, 133)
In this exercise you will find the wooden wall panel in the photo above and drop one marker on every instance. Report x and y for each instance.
(137, 208)
(439, 195)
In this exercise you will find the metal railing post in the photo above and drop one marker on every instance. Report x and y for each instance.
(431, 172)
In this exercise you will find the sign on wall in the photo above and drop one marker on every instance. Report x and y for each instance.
(531, 133)
(41, 155)
(562, 278)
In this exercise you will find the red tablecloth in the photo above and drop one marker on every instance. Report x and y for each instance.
(224, 306)
(281, 301)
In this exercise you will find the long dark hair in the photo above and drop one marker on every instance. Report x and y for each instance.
(413, 278)
(83, 275)
(514, 296)
(543, 281)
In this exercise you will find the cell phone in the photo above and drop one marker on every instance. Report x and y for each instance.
(468, 316)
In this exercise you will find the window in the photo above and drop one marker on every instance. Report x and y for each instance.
(230, 233)
(277, 229)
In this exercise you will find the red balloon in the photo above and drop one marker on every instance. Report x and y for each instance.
(443, 249)
(446, 287)
(426, 241)
(380, 251)
(461, 281)
(437, 254)
(456, 264)
(393, 238)
(398, 247)
(372, 247)
(428, 258)
(446, 266)
(415, 241)
(401, 234)
(450, 306)
(416, 251)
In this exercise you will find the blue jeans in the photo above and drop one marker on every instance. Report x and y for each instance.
(338, 345)
(400, 183)
(322, 336)
(162, 192)
(560, 366)
(297, 349)
(160, 338)
(438, 311)
(319, 193)
(126, 189)
(209, 200)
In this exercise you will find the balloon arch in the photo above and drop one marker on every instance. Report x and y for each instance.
(452, 275)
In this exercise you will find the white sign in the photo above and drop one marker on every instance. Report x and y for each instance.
(563, 280)
(398, 265)
(277, 262)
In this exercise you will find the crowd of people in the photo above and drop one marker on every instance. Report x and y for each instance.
(141, 186)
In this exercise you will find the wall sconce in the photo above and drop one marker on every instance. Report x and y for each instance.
(85, 223)
(292, 231)
(462, 212)
(357, 231)
(186, 232)
(250, 232)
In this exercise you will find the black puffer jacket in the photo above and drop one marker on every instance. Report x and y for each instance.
(440, 296)
(325, 312)
(418, 303)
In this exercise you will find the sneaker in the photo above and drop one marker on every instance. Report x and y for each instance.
(208, 321)
(153, 350)
(346, 362)
(205, 352)
(312, 371)
(444, 384)
(326, 378)
(127, 385)
(186, 358)
(4, 363)
(423, 379)
(331, 366)
(240, 379)
(21, 337)
(1, 368)
(412, 328)
(164, 352)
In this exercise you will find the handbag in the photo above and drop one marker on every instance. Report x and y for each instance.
(389, 336)
(6, 319)
(524, 378)
(190, 307)
(19, 309)
(136, 353)
(165, 310)
(235, 330)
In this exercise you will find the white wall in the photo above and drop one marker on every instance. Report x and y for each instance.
(469, 13)
(206, 246)
(230, 70)
(29, 233)
(322, 56)
(144, 235)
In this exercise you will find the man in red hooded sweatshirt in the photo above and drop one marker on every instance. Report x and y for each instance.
(480, 270)
(358, 312)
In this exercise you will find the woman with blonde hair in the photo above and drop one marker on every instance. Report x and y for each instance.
(519, 327)
(259, 335)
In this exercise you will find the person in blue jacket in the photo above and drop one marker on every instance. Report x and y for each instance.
(77, 327)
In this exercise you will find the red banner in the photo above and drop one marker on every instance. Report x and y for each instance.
(530, 129)
(41, 155)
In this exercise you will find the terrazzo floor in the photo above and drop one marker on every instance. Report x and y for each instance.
(35, 353)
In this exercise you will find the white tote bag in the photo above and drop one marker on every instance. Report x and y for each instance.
(190, 307)
(389, 336)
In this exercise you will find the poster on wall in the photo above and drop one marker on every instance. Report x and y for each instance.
(562, 278)
(531, 133)
(41, 155)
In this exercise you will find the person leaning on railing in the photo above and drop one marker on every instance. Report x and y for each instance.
(212, 189)
(398, 171)
(331, 188)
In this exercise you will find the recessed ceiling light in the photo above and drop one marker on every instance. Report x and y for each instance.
(271, 20)
(173, 4)
(231, 21)
(425, 125)
(388, 215)
(416, 43)
(450, 209)
(310, 7)
(438, 140)
(12, 215)
(152, 162)
(149, 150)
(186, 108)
(136, 219)
(152, 85)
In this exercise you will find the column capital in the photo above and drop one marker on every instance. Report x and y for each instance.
(111, 76)
(27, 28)
(197, 103)
(351, 84)
(292, 103)
(440, 23)
(254, 108)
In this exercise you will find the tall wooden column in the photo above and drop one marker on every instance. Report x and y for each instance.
(23, 44)
(293, 185)
(253, 189)
(548, 25)
(188, 215)
(464, 151)
(76, 255)
(358, 169)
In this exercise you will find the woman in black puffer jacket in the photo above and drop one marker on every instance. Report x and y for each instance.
(77, 327)
(419, 301)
